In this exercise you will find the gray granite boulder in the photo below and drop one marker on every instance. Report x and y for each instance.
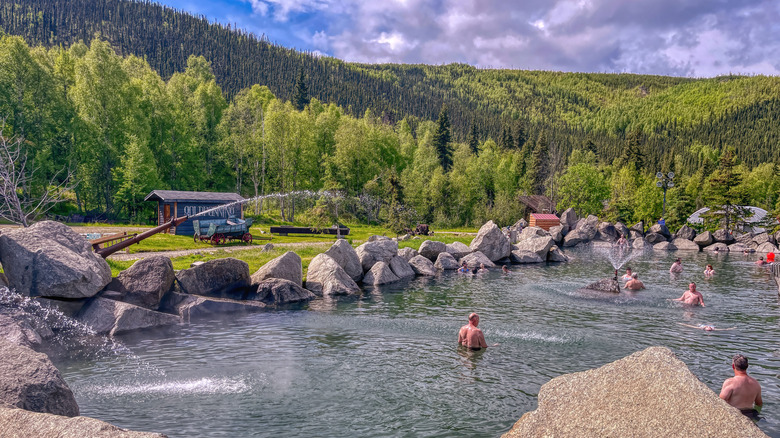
(766, 247)
(685, 244)
(633, 397)
(371, 253)
(220, 278)
(654, 238)
(622, 229)
(585, 232)
(720, 247)
(189, 307)
(145, 282)
(431, 249)
(380, 273)
(326, 277)
(346, 256)
(279, 291)
(377, 238)
(531, 232)
(763, 238)
(28, 380)
(115, 317)
(557, 234)
(540, 245)
(607, 232)
(745, 238)
(521, 257)
(740, 247)
(660, 229)
(640, 243)
(406, 253)
(401, 267)
(569, 218)
(609, 285)
(3, 280)
(422, 266)
(704, 239)
(491, 242)
(556, 255)
(723, 236)
(19, 423)
(458, 249)
(664, 246)
(287, 266)
(49, 259)
(639, 227)
(686, 232)
(446, 262)
(476, 258)
(633, 235)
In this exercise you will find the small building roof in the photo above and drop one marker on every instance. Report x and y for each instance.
(537, 203)
(545, 216)
(177, 195)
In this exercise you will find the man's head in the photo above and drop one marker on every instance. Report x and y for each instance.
(634, 276)
(678, 261)
(628, 270)
(739, 362)
(761, 258)
(692, 286)
(474, 319)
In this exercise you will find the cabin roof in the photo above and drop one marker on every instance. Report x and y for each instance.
(177, 195)
(537, 203)
(545, 216)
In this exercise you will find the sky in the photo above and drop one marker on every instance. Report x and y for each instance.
(694, 38)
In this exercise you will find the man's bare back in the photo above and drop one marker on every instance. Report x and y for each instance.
(742, 391)
(470, 336)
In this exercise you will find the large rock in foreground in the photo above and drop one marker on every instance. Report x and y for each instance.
(475, 259)
(287, 267)
(195, 306)
(111, 317)
(145, 283)
(326, 277)
(29, 380)
(491, 242)
(539, 245)
(430, 249)
(371, 253)
(344, 254)
(422, 266)
(648, 394)
(49, 259)
(18, 423)
(220, 278)
(380, 273)
(279, 291)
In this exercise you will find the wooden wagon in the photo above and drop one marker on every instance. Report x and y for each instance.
(219, 231)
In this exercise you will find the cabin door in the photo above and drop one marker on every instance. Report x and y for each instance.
(166, 213)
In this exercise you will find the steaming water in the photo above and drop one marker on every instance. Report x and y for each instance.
(385, 364)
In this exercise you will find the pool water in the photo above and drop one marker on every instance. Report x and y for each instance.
(386, 363)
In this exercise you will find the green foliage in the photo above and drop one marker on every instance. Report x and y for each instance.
(442, 138)
(584, 188)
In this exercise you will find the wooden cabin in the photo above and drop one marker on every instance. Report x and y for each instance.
(174, 203)
(544, 221)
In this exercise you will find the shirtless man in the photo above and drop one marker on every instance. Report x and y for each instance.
(634, 283)
(470, 336)
(691, 297)
(482, 269)
(760, 261)
(742, 391)
(676, 267)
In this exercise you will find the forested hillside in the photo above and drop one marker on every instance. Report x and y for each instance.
(162, 99)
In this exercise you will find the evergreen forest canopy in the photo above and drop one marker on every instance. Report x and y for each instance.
(162, 99)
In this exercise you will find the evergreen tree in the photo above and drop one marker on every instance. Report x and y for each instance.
(539, 168)
(442, 138)
(506, 142)
(726, 196)
(301, 95)
(520, 137)
(632, 154)
(473, 140)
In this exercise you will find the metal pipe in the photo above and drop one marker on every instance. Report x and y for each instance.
(107, 251)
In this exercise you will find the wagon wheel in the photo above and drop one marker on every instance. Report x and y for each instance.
(195, 238)
(215, 239)
(222, 239)
(247, 238)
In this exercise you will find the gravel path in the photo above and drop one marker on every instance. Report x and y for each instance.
(179, 253)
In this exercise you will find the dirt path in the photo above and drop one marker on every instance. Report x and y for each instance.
(180, 253)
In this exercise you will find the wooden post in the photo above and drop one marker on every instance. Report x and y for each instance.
(175, 215)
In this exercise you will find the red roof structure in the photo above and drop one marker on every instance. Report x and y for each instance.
(544, 221)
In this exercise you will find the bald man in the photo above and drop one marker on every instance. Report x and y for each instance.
(470, 336)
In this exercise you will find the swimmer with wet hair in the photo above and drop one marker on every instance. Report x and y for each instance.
(742, 391)
(470, 336)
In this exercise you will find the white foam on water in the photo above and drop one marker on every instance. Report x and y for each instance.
(531, 336)
(204, 385)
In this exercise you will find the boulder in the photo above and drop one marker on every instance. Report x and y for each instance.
(380, 273)
(370, 253)
(764, 238)
(557, 234)
(279, 291)
(777, 236)
(740, 247)
(653, 238)
(622, 229)
(660, 229)
(21, 423)
(540, 245)
(49, 259)
(220, 277)
(28, 380)
(422, 266)
(521, 257)
(458, 249)
(431, 249)
(401, 268)
(744, 238)
(531, 232)
(723, 236)
(377, 238)
(664, 246)
(633, 234)
(556, 255)
(3, 280)
(196, 306)
(115, 317)
(704, 239)
(326, 277)
(145, 282)
(685, 244)
(766, 248)
(569, 218)
(636, 396)
(22, 328)
(346, 256)
(721, 247)
(268, 247)
(640, 243)
(585, 232)
(446, 262)
(406, 253)
(491, 242)
(609, 285)
(607, 232)
(519, 225)
(639, 227)
(287, 267)
(686, 232)
(476, 258)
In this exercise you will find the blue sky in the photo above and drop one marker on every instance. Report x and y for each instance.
(701, 38)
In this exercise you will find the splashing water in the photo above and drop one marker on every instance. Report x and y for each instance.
(618, 255)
